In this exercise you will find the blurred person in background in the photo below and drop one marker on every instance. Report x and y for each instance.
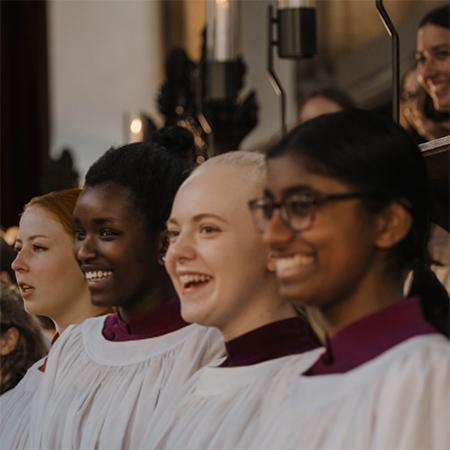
(323, 101)
(21, 341)
(417, 113)
(433, 56)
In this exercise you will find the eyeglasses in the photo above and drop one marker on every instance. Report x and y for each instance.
(297, 210)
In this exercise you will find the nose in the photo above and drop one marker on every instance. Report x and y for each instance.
(85, 250)
(277, 232)
(180, 249)
(426, 70)
(19, 264)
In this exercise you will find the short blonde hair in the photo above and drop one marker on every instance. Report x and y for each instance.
(60, 203)
(254, 164)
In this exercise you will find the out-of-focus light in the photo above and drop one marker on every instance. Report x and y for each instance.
(136, 125)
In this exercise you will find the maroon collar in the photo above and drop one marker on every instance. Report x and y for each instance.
(371, 336)
(161, 320)
(275, 340)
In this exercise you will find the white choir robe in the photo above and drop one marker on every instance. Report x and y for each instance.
(219, 407)
(15, 410)
(102, 394)
(398, 400)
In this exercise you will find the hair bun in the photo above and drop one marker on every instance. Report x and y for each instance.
(176, 140)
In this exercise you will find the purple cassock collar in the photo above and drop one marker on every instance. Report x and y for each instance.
(161, 320)
(275, 340)
(371, 336)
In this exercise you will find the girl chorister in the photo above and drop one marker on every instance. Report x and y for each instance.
(51, 285)
(222, 273)
(105, 378)
(346, 215)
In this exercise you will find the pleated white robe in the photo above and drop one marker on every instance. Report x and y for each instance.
(15, 410)
(219, 408)
(102, 394)
(398, 400)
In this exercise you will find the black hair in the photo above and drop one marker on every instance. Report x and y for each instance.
(334, 94)
(371, 153)
(439, 16)
(179, 140)
(150, 171)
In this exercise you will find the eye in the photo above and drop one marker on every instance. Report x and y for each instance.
(108, 233)
(172, 235)
(299, 206)
(17, 248)
(208, 229)
(442, 54)
(39, 248)
(79, 233)
(420, 59)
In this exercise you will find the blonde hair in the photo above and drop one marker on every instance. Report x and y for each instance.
(60, 203)
(253, 163)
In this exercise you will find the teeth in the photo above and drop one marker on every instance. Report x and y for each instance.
(198, 278)
(97, 274)
(292, 262)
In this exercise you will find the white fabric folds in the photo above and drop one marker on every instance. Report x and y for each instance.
(219, 408)
(398, 400)
(102, 394)
(15, 410)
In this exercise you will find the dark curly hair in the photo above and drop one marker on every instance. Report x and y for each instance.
(150, 171)
(30, 346)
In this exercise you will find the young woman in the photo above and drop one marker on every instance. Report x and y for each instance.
(433, 56)
(52, 285)
(346, 214)
(220, 269)
(105, 378)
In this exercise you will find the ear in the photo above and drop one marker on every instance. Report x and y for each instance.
(9, 340)
(270, 263)
(394, 223)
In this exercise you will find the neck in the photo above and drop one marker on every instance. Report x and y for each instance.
(80, 310)
(161, 292)
(261, 309)
(374, 295)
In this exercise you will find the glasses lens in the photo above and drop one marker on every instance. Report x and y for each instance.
(298, 209)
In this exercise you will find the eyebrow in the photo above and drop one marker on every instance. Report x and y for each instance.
(199, 217)
(292, 190)
(34, 236)
(96, 221)
(434, 48)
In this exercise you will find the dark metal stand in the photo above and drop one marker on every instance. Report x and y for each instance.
(274, 80)
(384, 16)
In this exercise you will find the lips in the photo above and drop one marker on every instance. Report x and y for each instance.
(96, 277)
(192, 281)
(293, 266)
(26, 290)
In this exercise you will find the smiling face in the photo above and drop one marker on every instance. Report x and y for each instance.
(433, 64)
(49, 278)
(331, 261)
(114, 248)
(216, 259)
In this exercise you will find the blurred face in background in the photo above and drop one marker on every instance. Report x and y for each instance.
(50, 281)
(433, 64)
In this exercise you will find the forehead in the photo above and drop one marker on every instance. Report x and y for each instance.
(287, 172)
(38, 221)
(220, 190)
(108, 199)
(432, 35)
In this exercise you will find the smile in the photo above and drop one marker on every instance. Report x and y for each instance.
(190, 280)
(97, 275)
(290, 265)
